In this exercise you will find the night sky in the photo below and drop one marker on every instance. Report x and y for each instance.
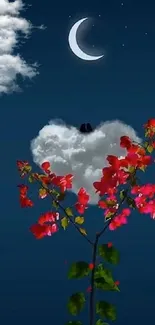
(33, 274)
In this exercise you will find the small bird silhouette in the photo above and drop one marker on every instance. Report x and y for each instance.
(86, 128)
(89, 128)
(83, 128)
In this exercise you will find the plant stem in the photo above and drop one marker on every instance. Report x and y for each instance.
(92, 281)
(95, 246)
(92, 293)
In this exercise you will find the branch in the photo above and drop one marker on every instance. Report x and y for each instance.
(92, 293)
(63, 209)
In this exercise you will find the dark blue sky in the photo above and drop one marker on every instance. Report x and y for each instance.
(33, 282)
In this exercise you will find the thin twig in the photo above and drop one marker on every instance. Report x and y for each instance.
(92, 281)
(92, 293)
(64, 210)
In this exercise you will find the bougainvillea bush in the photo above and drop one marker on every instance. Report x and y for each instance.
(120, 191)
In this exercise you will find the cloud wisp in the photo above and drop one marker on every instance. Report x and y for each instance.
(12, 65)
(84, 156)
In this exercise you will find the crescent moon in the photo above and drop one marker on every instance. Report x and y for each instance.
(72, 39)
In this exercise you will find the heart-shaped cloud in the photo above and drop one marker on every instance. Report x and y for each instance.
(84, 156)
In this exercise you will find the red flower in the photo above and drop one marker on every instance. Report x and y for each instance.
(147, 190)
(23, 167)
(80, 208)
(45, 167)
(64, 182)
(83, 198)
(125, 142)
(109, 245)
(46, 225)
(119, 172)
(148, 207)
(150, 123)
(149, 128)
(23, 189)
(110, 180)
(22, 163)
(25, 202)
(113, 161)
(91, 266)
(40, 231)
(48, 217)
(120, 219)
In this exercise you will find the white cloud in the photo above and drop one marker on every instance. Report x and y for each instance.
(11, 27)
(69, 151)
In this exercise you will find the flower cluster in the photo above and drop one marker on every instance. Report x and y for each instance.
(120, 172)
(118, 185)
(144, 200)
(83, 199)
(46, 226)
(24, 200)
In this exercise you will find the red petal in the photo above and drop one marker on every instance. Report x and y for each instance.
(45, 166)
(38, 231)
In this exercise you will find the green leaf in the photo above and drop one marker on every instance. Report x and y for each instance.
(100, 322)
(100, 283)
(28, 168)
(75, 322)
(143, 168)
(145, 144)
(79, 220)
(131, 202)
(64, 222)
(69, 212)
(55, 204)
(104, 279)
(108, 216)
(149, 148)
(131, 169)
(83, 231)
(76, 303)
(110, 203)
(122, 194)
(146, 133)
(42, 192)
(78, 270)
(110, 254)
(31, 179)
(106, 310)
